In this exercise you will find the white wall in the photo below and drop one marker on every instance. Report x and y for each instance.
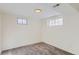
(0, 34)
(65, 37)
(15, 35)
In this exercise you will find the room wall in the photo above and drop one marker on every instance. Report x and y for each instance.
(15, 35)
(65, 37)
(1, 33)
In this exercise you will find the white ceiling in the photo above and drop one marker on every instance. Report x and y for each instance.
(27, 9)
(75, 5)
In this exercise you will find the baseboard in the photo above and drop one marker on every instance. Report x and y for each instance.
(21, 45)
(61, 48)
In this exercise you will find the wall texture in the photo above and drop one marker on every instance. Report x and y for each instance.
(67, 36)
(15, 35)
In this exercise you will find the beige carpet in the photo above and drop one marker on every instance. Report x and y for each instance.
(36, 49)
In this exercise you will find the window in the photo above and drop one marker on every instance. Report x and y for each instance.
(21, 21)
(24, 21)
(56, 22)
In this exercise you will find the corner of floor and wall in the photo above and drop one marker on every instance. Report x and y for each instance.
(65, 37)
